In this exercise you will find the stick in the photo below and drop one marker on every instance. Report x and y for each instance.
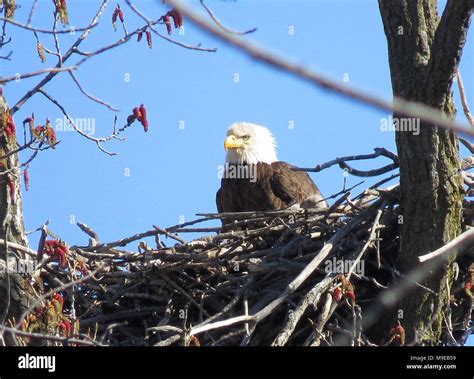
(459, 243)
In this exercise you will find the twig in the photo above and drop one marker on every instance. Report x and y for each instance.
(228, 30)
(463, 97)
(92, 97)
(328, 309)
(459, 243)
(32, 12)
(53, 70)
(46, 31)
(40, 336)
(370, 240)
(378, 151)
(18, 247)
(310, 299)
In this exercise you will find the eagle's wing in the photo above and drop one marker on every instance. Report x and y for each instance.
(219, 201)
(295, 187)
(243, 195)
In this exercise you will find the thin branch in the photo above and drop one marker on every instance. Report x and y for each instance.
(467, 144)
(310, 299)
(83, 134)
(459, 243)
(46, 31)
(40, 336)
(342, 163)
(462, 95)
(32, 12)
(53, 70)
(228, 30)
(92, 97)
(18, 247)
(447, 46)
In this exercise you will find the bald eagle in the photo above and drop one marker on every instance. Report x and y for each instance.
(254, 180)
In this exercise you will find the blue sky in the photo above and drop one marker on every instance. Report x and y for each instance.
(173, 170)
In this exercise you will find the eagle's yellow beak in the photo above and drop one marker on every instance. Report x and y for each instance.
(231, 142)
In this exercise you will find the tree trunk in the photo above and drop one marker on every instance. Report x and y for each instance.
(13, 297)
(424, 53)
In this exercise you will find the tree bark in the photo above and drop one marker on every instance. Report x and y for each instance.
(424, 53)
(13, 294)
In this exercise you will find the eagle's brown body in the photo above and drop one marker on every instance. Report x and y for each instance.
(277, 186)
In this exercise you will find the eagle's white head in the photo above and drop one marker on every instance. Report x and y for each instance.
(249, 143)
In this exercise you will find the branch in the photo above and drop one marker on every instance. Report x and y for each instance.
(379, 151)
(465, 105)
(216, 20)
(462, 241)
(85, 135)
(18, 247)
(32, 12)
(310, 299)
(40, 336)
(88, 95)
(467, 144)
(448, 44)
(53, 70)
(47, 31)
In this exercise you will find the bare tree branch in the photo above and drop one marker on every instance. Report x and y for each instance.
(462, 95)
(54, 71)
(228, 30)
(459, 243)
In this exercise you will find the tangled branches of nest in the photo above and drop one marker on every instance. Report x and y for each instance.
(291, 277)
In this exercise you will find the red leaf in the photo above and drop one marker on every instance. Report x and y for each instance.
(50, 134)
(177, 18)
(58, 249)
(145, 125)
(26, 178)
(149, 39)
(142, 110)
(38, 131)
(10, 128)
(143, 119)
(167, 21)
(120, 13)
(350, 295)
(137, 114)
(58, 297)
(11, 186)
(337, 294)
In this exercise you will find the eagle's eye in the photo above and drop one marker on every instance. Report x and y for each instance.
(246, 137)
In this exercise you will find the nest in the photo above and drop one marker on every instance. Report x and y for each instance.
(292, 277)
